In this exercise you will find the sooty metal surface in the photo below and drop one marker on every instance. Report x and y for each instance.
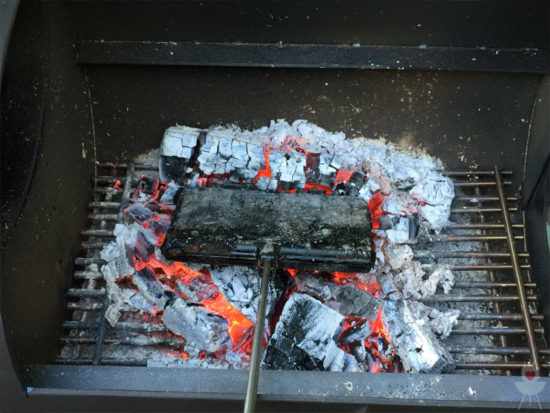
(493, 288)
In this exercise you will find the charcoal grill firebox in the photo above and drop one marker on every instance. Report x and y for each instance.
(88, 86)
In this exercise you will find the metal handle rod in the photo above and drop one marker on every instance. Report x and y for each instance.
(517, 274)
(256, 356)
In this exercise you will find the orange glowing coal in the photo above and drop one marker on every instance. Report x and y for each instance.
(266, 171)
(182, 355)
(291, 271)
(216, 302)
(373, 288)
(316, 187)
(240, 327)
(378, 327)
(343, 176)
(375, 207)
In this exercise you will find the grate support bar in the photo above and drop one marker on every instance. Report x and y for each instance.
(517, 273)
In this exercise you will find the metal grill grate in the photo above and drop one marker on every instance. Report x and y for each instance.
(493, 288)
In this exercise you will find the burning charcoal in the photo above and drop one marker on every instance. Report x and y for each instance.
(171, 193)
(141, 246)
(267, 184)
(327, 169)
(400, 229)
(140, 213)
(137, 301)
(256, 155)
(240, 286)
(418, 348)
(357, 333)
(353, 184)
(312, 167)
(304, 337)
(176, 149)
(353, 301)
(151, 288)
(199, 327)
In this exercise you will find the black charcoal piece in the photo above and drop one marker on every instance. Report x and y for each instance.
(200, 328)
(418, 348)
(304, 338)
(353, 301)
(216, 222)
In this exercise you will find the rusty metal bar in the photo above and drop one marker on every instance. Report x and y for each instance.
(517, 273)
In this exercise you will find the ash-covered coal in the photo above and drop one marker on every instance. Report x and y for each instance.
(305, 337)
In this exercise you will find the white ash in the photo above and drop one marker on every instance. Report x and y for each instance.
(168, 359)
(410, 281)
(440, 322)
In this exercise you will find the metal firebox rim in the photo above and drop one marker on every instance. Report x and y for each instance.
(294, 386)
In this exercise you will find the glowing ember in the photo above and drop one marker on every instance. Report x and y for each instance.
(170, 272)
(117, 185)
(317, 187)
(182, 355)
(291, 272)
(375, 207)
(373, 288)
(266, 171)
(343, 176)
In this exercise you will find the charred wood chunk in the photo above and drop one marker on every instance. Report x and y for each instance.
(215, 221)
(177, 148)
(200, 328)
(305, 337)
(419, 349)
